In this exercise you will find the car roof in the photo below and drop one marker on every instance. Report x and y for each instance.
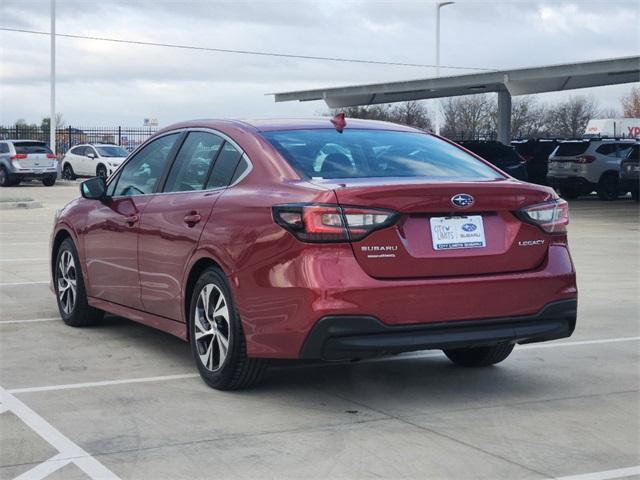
(23, 140)
(273, 124)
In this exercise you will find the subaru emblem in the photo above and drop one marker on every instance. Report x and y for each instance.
(469, 227)
(462, 200)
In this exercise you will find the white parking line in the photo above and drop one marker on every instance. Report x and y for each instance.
(14, 284)
(164, 378)
(69, 386)
(30, 320)
(605, 475)
(5, 244)
(68, 450)
(29, 259)
(45, 468)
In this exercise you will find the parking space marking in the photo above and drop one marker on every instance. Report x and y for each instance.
(4, 244)
(29, 320)
(45, 468)
(164, 378)
(605, 475)
(17, 284)
(23, 259)
(68, 450)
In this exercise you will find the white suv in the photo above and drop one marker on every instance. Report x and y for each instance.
(92, 160)
(578, 167)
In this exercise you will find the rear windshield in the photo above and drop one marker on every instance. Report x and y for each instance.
(325, 153)
(571, 149)
(112, 151)
(31, 147)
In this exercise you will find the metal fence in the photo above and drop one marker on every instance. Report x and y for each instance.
(67, 137)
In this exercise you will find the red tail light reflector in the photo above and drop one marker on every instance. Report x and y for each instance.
(51, 155)
(552, 217)
(19, 156)
(585, 159)
(331, 223)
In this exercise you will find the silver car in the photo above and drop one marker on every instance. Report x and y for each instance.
(26, 159)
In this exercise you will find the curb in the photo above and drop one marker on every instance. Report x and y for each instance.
(16, 205)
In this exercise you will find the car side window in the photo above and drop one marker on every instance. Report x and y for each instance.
(608, 149)
(623, 149)
(225, 166)
(78, 151)
(189, 171)
(242, 167)
(140, 175)
(89, 150)
(4, 148)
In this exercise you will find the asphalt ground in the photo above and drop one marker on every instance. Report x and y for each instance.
(122, 400)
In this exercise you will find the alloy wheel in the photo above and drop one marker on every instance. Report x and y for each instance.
(212, 327)
(67, 282)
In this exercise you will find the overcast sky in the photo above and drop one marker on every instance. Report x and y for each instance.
(103, 83)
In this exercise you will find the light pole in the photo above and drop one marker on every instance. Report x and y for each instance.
(52, 114)
(439, 5)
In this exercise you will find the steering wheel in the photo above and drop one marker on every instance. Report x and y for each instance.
(133, 188)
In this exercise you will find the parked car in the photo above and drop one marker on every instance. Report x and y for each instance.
(630, 171)
(502, 156)
(92, 160)
(234, 237)
(535, 153)
(26, 160)
(578, 167)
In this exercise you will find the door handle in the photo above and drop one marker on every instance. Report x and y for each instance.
(131, 219)
(192, 218)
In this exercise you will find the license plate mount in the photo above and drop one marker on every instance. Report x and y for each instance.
(451, 233)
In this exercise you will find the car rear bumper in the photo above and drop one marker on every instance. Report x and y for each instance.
(349, 337)
(281, 310)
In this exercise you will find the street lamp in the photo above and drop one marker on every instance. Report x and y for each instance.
(439, 5)
(52, 99)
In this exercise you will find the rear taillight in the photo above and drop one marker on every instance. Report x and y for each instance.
(585, 159)
(552, 217)
(331, 223)
(19, 156)
(51, 155)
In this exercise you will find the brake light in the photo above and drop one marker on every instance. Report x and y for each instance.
(585, 159)
(552, 217)
(19, 156)
(51, 155)
(331, 223)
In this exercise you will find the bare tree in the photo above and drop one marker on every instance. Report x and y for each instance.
(527, 118)
(467, 117)
(631, 103)
(412, 113)
(570, 118)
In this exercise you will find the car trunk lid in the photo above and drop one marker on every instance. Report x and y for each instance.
(417, 246)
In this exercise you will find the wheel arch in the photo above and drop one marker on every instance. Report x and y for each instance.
(608, 173)
(196, 270)
(60, 237)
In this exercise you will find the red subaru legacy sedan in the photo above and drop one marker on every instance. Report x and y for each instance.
(313, 239)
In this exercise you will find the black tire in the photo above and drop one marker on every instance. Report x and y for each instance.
(67, 172)
(5, 178)
(569, 191)
(49, 181)
(80, 313)
(101, 171)
(480, 356)
(634, 194)
(608, 187)
(236, 370)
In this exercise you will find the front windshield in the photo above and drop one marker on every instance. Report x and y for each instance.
(325, 153)
(112, 151)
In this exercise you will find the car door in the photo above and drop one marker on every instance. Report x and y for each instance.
(111, 233)
(89, 161)
(172, 223)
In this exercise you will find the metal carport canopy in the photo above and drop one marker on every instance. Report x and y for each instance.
(521, 81)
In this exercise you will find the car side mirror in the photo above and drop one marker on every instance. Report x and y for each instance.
(94, 189)
(91, 155)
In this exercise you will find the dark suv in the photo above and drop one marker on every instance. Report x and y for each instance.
(25, 160)
(630, 172)
(502, 156)
(535, 153)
